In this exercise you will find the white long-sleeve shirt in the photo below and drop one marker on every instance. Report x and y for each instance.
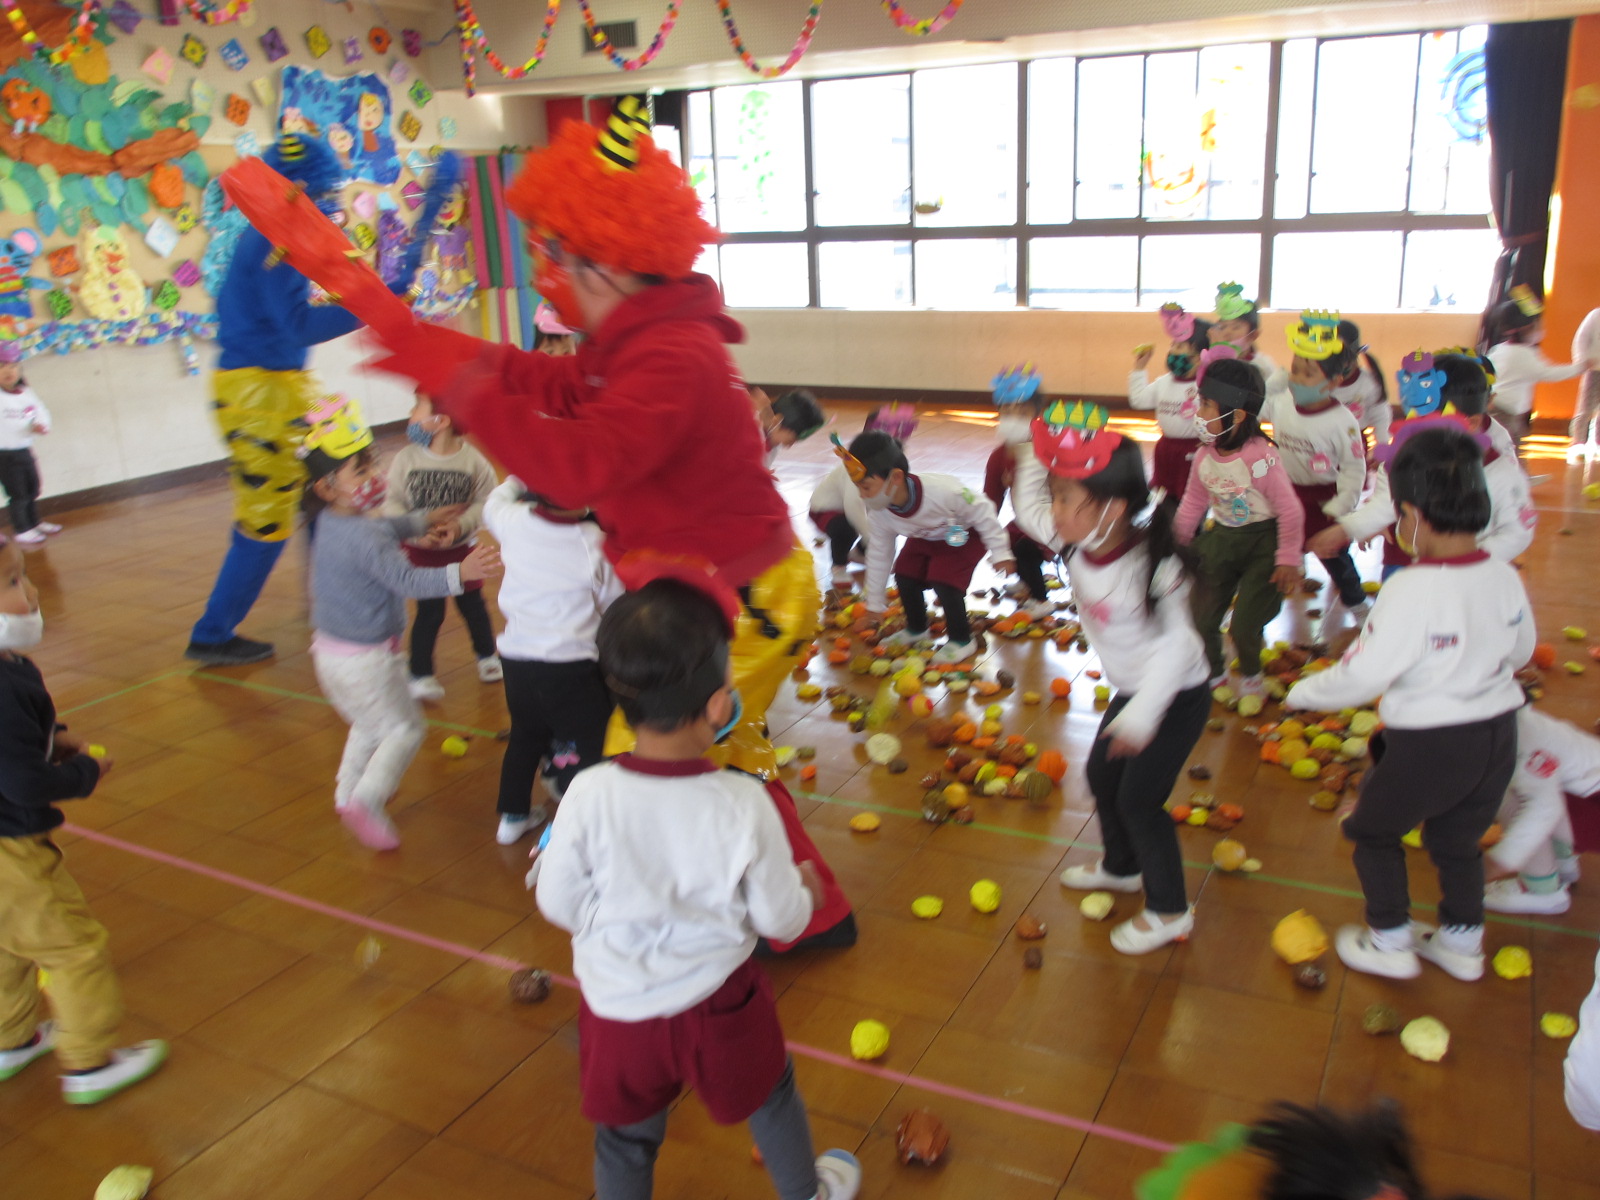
(836, 493)
(1030, 500)
(558, 582)
(939, 503)
(421, 480)
(20, 412)
(1364, 397)
(1150, 656)
(1275, 378)
(1320, 448)
(1517, 368)
(1441, 646)
(1582, 1067)
(1512, 517)
(665, 873)
(1553, 759)
(1175, 401)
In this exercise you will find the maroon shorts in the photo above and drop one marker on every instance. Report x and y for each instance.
(420, 556)
(728, 1048)
(1312, 498)
(940, 562)
(1169, 468)
(823, 519)
(1585, 814)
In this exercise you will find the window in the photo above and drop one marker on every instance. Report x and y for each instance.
(1125, 181)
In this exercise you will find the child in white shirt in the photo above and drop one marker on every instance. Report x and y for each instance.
(1533, 863)
(836, 507)
(1586, 349)
(1518, 364)
(1320, 442)
(23, 417)
(1016, 394)
(1175, 397)
(1441, 647)
(1238, 325)
(665, 870)
(1361, 387)
(1132, 589)
(938, 516)
(791, 418)
(1582, 1066)
(557, 584)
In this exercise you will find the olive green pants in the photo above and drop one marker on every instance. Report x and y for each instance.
(1236, 568)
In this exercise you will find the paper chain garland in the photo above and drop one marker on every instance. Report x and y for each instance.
(75, 43)
(65, 337)
(218, 12)
(474, 41)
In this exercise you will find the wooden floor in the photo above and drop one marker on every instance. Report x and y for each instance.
(315, 1058)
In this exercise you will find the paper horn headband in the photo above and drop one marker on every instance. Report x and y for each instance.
(853, 466)
(1210, 355)
(1421, 385)
(1231, 304)
(1178, 324)
(1527, 303)
(1467, 352)
(1072, 440)
(618, 146)
(546, 321)
(337, 428)
(899, 421)
(1015, 385)
(1403, 431)
(1316, 336)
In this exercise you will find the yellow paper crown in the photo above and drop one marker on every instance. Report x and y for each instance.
(337, 428)
(1317, 335)
(1527, 303)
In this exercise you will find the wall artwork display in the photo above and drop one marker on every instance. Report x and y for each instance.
(351, 113)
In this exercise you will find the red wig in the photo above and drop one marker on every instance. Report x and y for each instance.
(645, 220)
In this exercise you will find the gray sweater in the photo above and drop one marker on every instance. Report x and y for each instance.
(360, 578)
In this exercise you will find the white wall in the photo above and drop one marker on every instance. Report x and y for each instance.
(1086, 353)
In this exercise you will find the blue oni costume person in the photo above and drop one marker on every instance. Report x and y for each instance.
(261, 393)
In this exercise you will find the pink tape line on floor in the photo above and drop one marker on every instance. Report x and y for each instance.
(459, 950)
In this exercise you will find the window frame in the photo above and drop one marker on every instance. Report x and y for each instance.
(1022, 231)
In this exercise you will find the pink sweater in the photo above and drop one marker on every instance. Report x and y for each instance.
(1241, 489)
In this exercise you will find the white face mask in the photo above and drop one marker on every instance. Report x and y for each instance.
(1101, 531)
(1534, 338)
(880, 501)
(21, 632)
(1203, 429)
(1011, 430)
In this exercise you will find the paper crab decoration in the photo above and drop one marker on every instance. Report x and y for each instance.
(1072, 440)
(1015, 385)
(1420, 384)
(1178, 324)
(1231, 304)
(1317, 335)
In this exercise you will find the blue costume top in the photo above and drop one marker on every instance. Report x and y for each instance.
(265, 316)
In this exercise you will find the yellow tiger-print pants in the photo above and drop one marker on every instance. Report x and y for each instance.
(261, 416)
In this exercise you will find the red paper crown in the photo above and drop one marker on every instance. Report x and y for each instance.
(639, 567)
(1072, 440)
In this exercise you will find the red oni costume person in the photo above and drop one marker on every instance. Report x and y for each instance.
(648, 424)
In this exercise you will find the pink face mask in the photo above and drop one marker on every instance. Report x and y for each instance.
(370, 494)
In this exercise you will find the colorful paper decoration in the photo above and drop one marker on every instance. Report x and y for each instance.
(166, 297)
(399, 72)
(202, 96)
(927, 25)
(418, 163)
(183, 217)
(59, 301)
(159, 65)
(352, 51)
(162, 236)
(124, 16)
(165, 185)
(410, 126)
(28, 106)
(246, 145)
(354, 114)
(262, 87)
(236, 109)
(193, 49)
(411, 40)
(420, 92)
(412, 195)
(318, 41)
(234, 54)
(218, 12)
(110, 290)
(186, 274)
(378, 38)
(364, 205)
(64, 261)
(78, 40)
(272, 44)
(364, 236)
(447, 128)
(386, 203)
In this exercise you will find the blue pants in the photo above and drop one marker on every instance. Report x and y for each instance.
(244, 573)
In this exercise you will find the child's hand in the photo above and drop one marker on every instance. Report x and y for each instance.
(1287, 579)
(446, 533)
(1328, 542)
(1122, 747)
(41, 430)
(1142, 356)
(1006, 566)
(482, 563)
(65, 746)
(104, 763)
(812, 881)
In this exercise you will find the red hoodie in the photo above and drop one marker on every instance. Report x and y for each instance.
(649, 425)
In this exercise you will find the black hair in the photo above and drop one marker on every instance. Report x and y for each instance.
(879, 453)
(545, 339)
(1440, 473)
(1466, 386)
(1251, 318)
(1236, 386)
(1353, 355)
(1509, 319)
(1123, 478)
(320, 465)
(664, 653)
(799, 412)
(1200, 339)
(1320, 1154)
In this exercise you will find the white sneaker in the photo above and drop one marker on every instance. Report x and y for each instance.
(1098, 879)
(1568, 869)
(490, 670)
(901, 638)
(841, 578)
(31, 538)
(955, 652)
(1147, 932)
(126, 1068)
(427, 689)
(838, 1175)
(1430, 946)
(1038, 610)
(1510, 896)
(513, 829)
(1358, 952)
(1251, 685)
(12, 1062)
(48, 527)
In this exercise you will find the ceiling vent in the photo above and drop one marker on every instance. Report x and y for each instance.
(624, 35)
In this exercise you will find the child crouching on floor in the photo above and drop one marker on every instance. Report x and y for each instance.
(360, 581)
(665, 870)
(1441, 646)
(45, 924)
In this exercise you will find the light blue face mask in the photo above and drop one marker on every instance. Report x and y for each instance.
(1305, 395)
(733, 718)
(419, 434)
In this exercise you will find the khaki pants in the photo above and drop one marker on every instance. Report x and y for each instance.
(45, 923)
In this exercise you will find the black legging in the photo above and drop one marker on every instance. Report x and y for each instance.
(841, 539)
(952, 599)
(430, 616)
(1030, 567)
(1341, 569)
(19, 475)
(558, 710)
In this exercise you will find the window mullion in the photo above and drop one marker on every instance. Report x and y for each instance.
(1021, 223)
(813, 268)
(1269, 175)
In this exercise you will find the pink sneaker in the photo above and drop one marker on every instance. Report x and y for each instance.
(372, 829)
